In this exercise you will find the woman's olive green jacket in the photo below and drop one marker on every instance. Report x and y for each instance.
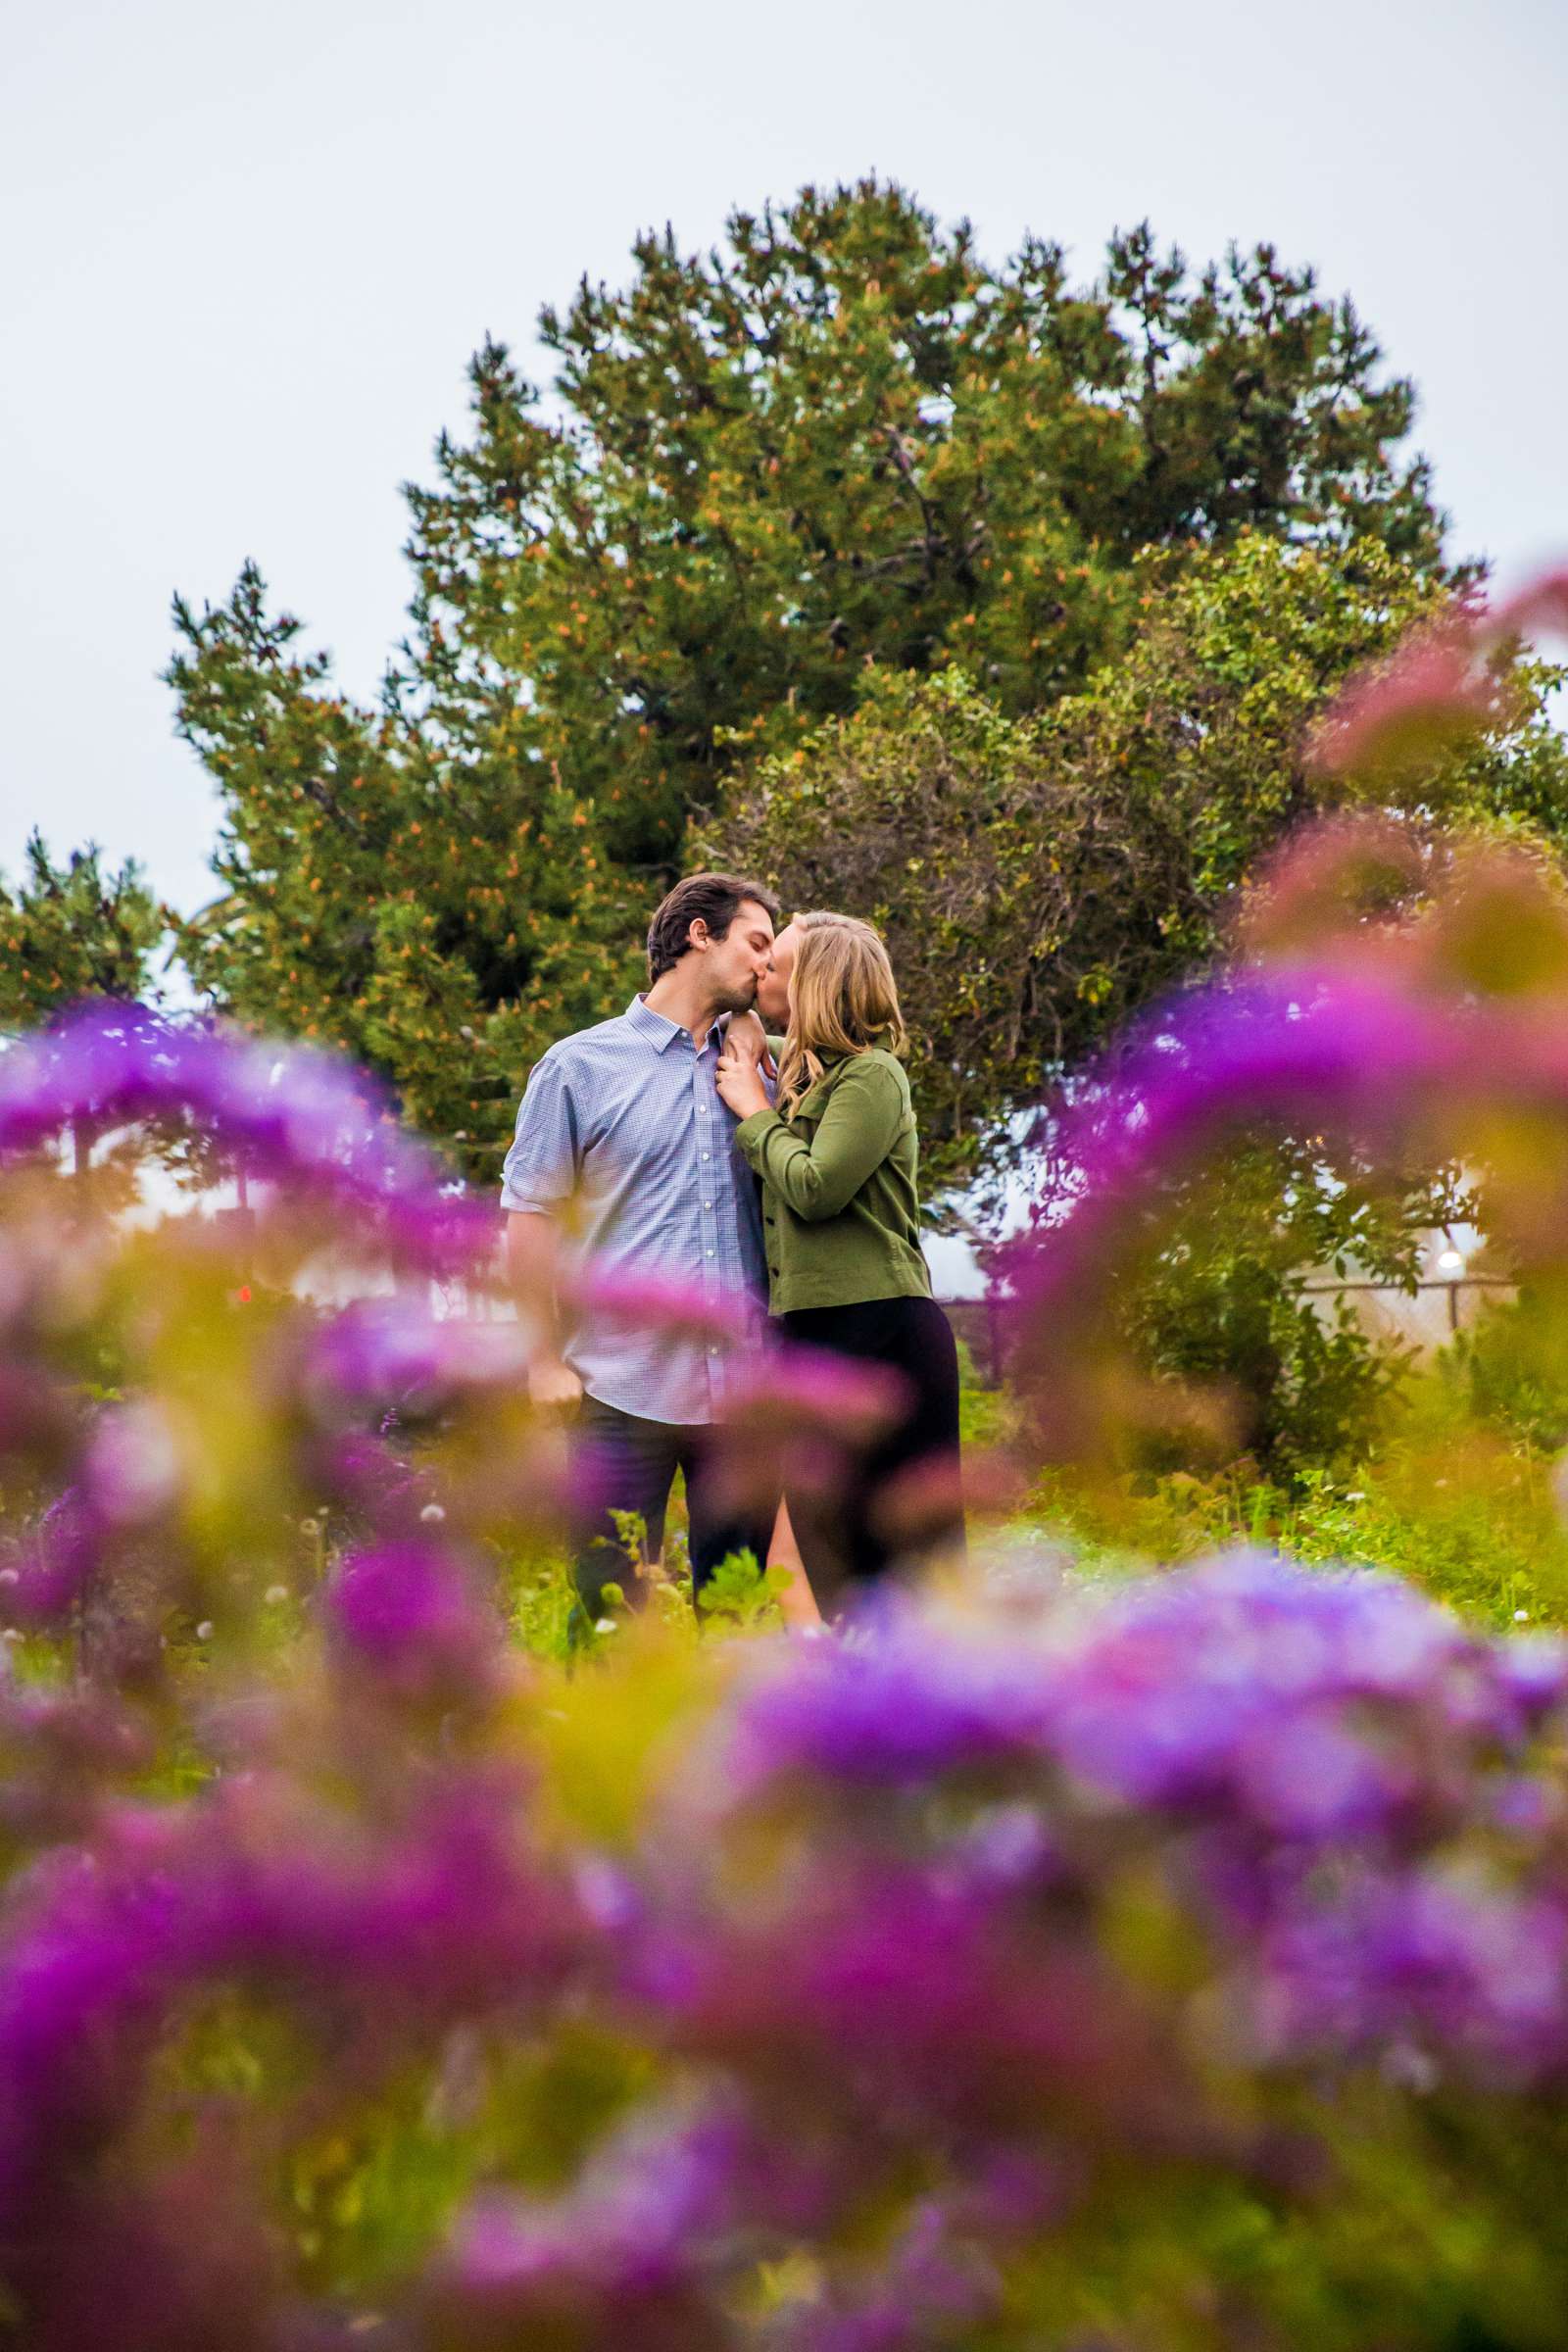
(841, 1214)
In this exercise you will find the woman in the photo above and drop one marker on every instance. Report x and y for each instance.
(837, 1156)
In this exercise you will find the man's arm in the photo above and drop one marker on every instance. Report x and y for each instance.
(540, 1176)
(533, 1257)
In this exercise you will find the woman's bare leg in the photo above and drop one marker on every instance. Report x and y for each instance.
(795, 1605)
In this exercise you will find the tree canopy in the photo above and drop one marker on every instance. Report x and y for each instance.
(1041, 877)
(73, 931)
(836, 456)
(70, 932)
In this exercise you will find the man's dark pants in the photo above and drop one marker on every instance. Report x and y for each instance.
(623, 1464)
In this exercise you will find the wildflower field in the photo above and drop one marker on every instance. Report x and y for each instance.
(1156, 1939)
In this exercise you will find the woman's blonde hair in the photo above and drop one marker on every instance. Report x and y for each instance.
(845, 1001)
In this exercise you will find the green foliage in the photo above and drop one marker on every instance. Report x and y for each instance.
(742, 1595)
(1039, 878)
(542, 1603)
(75, 931)
(1476, 1527)
(843, 439)
(986, 1417)
(1042, 878)
(991, 605)
(1510, 1369)
(1443, 1504)
(70, 932)
(1220, 1304)
(436, 904)
(840, 444)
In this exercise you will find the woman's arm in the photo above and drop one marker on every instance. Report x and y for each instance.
(854, 1134)
(745, 1038)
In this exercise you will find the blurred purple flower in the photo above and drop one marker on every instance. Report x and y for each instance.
(57, 1560)
(381, 1937)
(1539, 607)
(301, 1119)
(931, 2287)
(1443, 682)
(1472, 1971)
(887, 1705)
(619, 2259)
(1362, 1058)
(380, 1351)
(409, 1615)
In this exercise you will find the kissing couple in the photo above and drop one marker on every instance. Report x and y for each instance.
(743, 1128)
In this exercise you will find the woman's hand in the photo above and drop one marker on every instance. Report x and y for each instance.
(740, 1085)
(747, 1039)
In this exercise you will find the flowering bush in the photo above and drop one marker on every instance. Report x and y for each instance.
(1180, 1966)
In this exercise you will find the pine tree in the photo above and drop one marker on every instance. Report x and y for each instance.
(70, 933)
(73, 931)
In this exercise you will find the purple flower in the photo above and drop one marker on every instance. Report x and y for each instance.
(1356, 1057)
(1177, 1692)
(379, 1938)
(408, 1614)
(930, 2285)
(1541, 604)
(58, 1560)
(299, 1119)
(379, 1352)
(1443, 1958)
(1434, 686)
(619, 2259)
(895, 1702)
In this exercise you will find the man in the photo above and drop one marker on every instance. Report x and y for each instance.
(621, 1133)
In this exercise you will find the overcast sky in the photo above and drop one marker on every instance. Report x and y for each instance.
(251, 251)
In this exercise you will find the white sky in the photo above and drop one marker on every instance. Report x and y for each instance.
(250, 251)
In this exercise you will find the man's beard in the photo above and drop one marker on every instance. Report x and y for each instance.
(740, 999)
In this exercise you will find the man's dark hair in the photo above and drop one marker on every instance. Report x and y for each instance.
(711, 898)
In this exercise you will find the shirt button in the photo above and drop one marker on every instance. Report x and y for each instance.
(707, 1204)
(709, 1253)
(705, 1154)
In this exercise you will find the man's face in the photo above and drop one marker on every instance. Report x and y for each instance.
(739, 962)
(773, 989)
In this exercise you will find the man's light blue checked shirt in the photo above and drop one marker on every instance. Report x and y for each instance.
(625, 1121)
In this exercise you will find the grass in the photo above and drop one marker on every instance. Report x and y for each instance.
(1483, 1532)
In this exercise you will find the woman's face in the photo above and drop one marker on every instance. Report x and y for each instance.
(775, 997)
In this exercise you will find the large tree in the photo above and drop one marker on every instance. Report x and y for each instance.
(837, 447)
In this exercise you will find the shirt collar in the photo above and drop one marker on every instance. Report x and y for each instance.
(659, 1030)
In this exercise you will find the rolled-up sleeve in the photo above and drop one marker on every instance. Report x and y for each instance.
(542, 1167)
(857, 1132)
